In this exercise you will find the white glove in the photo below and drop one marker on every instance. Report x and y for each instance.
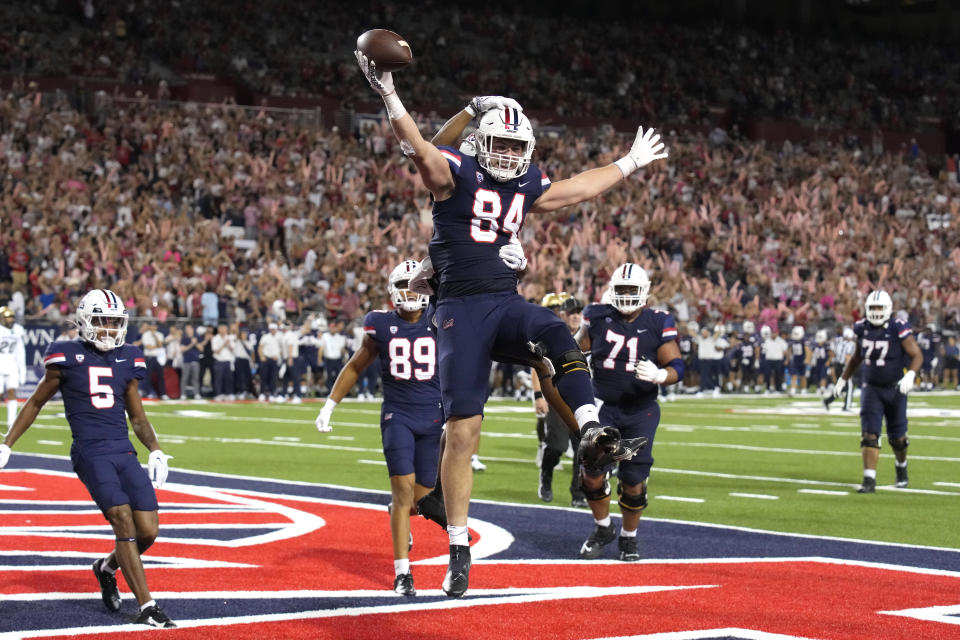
(420, 278)
(840, 387)
(482, 104)
(648, 371)
(157, 467)
(906, 382)
(323, 420)
(4, 455)
(646, 148)
(382, 83)
(512, 255)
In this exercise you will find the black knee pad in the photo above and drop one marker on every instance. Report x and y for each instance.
(597, 494)
(870, 441)
(899, 444)
(570, 361)
(633, 503)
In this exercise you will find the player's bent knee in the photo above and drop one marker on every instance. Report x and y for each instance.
(597, 493)
(633, 502)
(899, 444)
(870, 441)
(570, 361)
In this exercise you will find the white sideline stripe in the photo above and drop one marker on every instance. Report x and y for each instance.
(946, 484)
(679, 499)
(733, 476)
(945, 614)
(54, 443)
(710, 634)
(509, 596)
(380, 492)
(11, 487)
(286, 439)
(94, 511)
(824, 492)
(346, 438)
(756, 496)
(810, 452)
(382, 463)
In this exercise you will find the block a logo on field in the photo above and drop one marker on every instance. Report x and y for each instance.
(298, 560)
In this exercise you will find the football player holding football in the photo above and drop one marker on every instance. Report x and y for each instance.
(884, 346)
(98, 377)
(633, 350)
(480, 204)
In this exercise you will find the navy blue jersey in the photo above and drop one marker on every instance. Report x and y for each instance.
(745, 352)
(820, 355)
(471, 225)
(615, 347)
(93, 386)
(310, 346)
(797, 350)
(882, 351)
(408, 357)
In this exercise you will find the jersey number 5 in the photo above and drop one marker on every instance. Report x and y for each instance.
(487, 208)
(101, 395)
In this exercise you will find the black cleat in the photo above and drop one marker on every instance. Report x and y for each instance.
(155, 617)
(827, 401)
(431, 507)
(579, 500)
(545, 490)
(108, 587)
(601, 537)
(869, 486)
(403, 584)
(457, 579)
(628, 549)
(902, 479)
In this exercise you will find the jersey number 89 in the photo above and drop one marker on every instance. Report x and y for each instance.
(423, 351)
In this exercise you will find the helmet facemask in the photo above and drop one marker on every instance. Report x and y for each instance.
(102, 320)
(504, 143)
(629, 288)
(879, 307)
(399, 288)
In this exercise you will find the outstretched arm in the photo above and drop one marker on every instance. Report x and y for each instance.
(583, 186)
(431, 164)
(45, 390)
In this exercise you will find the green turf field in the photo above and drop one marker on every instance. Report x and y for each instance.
(778, 464)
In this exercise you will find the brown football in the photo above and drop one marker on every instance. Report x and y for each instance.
(387, 49)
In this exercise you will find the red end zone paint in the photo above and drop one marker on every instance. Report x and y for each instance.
(350, 551)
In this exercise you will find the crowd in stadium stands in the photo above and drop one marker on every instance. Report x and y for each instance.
(674, 73)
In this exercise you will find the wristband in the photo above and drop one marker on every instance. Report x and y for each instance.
(537, 395)
(626, 165)
(469, 109)
(395, 108)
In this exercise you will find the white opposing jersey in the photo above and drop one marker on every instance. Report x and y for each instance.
(13, 357)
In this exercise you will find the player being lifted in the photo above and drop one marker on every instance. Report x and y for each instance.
(13, 361)
(98, 377)
(479, 206)
(411, 418)
(633, 349)
(883, 346)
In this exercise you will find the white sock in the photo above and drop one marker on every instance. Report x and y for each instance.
(458, 535)
(106, 568)
(147, 605)
(401, 566)
(628, 534)
(901, 465)
(870, 473)
(586, 413)
(11, 413)
(603, 523)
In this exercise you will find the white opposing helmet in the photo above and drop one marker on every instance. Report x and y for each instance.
(633, 278)
(766, 331)
(508, 124)
(848, 333)
(797, 332)
(102, 319)
(879, 307)
(749, 328)
(398, 286)
(821, 336)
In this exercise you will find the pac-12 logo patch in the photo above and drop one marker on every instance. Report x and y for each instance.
(79, 357)
(479, 177)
